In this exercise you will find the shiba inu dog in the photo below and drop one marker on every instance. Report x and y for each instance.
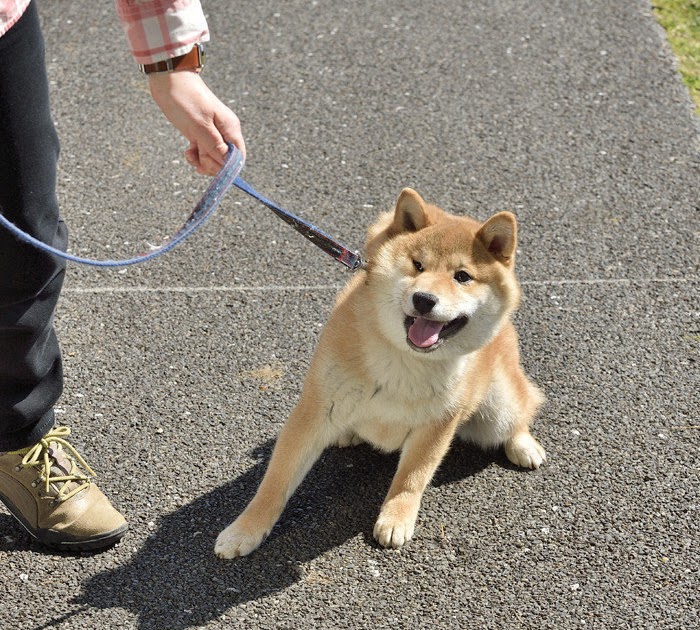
(419, 347)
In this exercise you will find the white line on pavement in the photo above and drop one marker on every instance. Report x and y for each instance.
(337, 287)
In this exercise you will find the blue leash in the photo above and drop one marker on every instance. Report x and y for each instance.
(352, 260)
(202, 211)
(228, 175)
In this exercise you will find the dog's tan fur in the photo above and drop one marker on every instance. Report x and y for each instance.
(368, 382)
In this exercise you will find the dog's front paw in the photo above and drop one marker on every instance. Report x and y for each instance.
(396, 522)
(238, 540)
(523, 450)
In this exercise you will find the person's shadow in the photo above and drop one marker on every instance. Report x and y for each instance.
(176, 581)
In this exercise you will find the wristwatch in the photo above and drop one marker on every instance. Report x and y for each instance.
(193, 60)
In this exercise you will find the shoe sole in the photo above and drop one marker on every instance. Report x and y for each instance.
(57, 540)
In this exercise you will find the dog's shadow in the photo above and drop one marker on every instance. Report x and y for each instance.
(339, 499)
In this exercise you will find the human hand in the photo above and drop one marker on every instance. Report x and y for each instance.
(200, 116)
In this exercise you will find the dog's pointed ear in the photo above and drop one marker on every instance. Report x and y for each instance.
(500, 237)
(411, 213)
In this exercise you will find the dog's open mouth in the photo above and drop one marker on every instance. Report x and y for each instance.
(427, 334)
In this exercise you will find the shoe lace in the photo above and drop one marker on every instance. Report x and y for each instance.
(51, 455)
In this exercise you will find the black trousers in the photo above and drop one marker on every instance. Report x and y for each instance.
(31, 377)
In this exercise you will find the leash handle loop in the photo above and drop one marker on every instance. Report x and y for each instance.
(202, 211)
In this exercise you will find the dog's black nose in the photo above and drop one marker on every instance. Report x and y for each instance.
(424, 302)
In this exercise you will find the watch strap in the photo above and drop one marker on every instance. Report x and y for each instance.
(193, 60)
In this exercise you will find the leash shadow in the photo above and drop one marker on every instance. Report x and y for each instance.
(339, 499)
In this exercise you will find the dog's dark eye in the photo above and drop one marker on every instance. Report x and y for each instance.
(462, 277)
(418, 266)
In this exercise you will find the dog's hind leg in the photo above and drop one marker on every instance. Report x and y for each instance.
(301, 441)
(504, 417)
(524, 450)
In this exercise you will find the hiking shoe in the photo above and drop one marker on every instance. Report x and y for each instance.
(57, 503)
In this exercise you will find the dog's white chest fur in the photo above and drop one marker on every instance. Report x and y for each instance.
(399, 394)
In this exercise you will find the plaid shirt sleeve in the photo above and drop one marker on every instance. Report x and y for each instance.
(10, 12)
(160, 29)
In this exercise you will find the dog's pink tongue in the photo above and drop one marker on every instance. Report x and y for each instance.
(424, 332)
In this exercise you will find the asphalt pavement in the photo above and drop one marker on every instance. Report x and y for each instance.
(179, 373)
